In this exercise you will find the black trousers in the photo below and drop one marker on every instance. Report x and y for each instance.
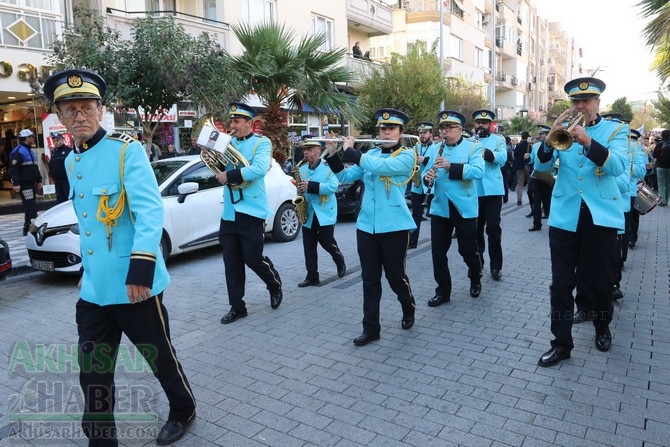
(319, 235)
(147, 326)
(541, 200)
(489, 218)
(466, 235)
(387, 251)
(28, 198)
(633, 224)
(242, 244)
(417, 215)
(62, 190)
(593, 249)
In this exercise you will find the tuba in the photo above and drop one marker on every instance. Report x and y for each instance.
(562, 139)
(215, 148)
(299, 201)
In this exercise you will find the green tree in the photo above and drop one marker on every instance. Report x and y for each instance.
(517, 124)
(657, 34)
(150, 72)
(620, 105)
(556, 109)
(412, 83)
(662, 114)
(284, 75)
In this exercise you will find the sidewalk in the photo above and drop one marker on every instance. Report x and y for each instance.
(466, 374)
(11, 230)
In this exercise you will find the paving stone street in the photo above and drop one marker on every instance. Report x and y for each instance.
(466, 374)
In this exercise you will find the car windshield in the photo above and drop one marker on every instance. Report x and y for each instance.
(164, 169)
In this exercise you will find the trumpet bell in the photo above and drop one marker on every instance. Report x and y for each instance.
(562, 139)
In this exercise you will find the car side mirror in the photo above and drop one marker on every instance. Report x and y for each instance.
(186, 189)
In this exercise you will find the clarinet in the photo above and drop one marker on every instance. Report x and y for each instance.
(429, 195)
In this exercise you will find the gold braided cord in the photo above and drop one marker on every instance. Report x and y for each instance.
(599, 171)
(387, 179)
(109, 215)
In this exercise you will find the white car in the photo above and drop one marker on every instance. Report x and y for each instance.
(193, 202)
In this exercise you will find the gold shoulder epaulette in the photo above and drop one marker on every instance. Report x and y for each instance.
(121, 137)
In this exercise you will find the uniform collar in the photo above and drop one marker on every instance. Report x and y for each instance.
(245, 138)
(318, 162)
(388, 150)
(95, 139)
(456, 144)
(595, 121)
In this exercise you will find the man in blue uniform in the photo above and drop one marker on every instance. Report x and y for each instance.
(585, 214)
(57, 167)
(25, 175)
(245, 208)
(120, 214)
(490, 190)
(318, 185)
(637, 174)
(417, 194)
(458, 163)
(542, 183)
(384, 222)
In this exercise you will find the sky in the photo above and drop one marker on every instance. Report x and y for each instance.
(610, 32)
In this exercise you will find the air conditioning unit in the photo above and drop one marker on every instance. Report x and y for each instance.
(515, 81)
(486, 18)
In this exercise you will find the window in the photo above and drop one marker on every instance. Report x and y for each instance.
(420, 45)
(209, 9)
(455, 49)
(259, 11)
(152, 5)
(325, 26)
(479, 57)
(202, 175)
(457, 8)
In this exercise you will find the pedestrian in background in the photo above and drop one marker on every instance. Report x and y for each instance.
(118, 205)
(25, 175)
(384, 222)
(57, 167)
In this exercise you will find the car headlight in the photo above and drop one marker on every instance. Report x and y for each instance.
(39, 234)
(75, 228)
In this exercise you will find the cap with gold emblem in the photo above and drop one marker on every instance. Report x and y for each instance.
(483, 114)
(424, 125)
(450, 117)
(240, 109)
(543, 129)
(390, 117)
(313, 143)
(74, 84)
(635, 134)
(584, 88)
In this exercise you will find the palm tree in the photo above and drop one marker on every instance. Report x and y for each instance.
(657, 33)
(286, 76)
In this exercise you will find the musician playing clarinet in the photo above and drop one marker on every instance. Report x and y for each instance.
(458, 164)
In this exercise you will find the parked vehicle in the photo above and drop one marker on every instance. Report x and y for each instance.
(193, 202)
(5, 260)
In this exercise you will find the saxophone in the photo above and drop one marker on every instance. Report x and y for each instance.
(299, 201)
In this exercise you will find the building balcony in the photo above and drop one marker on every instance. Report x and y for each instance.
(362, 68)
(370, 17)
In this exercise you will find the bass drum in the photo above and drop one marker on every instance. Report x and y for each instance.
(647, 199)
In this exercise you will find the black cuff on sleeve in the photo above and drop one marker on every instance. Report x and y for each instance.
(235, 176)
(313, 187)
(353, 155)
(488, 155)
(141, 269)
(544, 153)
(597, 153)
(456, 171)
(334, 163)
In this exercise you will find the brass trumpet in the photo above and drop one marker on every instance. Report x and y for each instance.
(562, 139)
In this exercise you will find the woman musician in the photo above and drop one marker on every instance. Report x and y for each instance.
(455, 204)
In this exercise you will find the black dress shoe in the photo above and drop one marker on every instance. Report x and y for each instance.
(534, 228)
(341, 270)
(604, 341)
(407, 321)
(617, 294)
(437, 300)
(233, 315)
(553, 356)
(529, 214)
(275, 298)
(411, 245)
(496, 274)
(475, 289)
(631, 245)
(581, 316)
(307, 283)
(545, 216)
(364, 339)
(173, 431)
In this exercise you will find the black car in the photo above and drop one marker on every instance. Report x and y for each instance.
(350, 195)
(5, 260)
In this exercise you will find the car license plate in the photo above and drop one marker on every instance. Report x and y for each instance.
(46, 266)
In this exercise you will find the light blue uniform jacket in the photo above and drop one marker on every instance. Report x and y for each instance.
(251, 199)
(491, 184)
(385, 177)
(93, 174)
(581, 179)
(638, 168)
(322, 203)
(458, 185)
(424, 151)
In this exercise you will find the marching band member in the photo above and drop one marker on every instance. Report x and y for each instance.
(384, 222)
(543, 184)
(637, 173)
(585, 213)
(417, 193)
(457, 164)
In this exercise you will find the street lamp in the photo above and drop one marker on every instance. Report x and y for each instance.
(523, 113)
